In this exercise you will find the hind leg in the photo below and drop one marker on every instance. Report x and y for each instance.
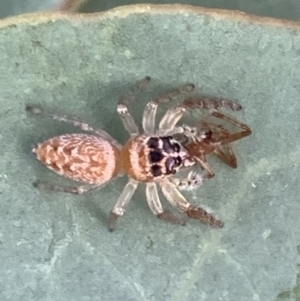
(39, 111)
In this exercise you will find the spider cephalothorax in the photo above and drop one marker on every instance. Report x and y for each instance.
(153, 157)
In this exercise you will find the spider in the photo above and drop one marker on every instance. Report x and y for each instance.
(153, 157)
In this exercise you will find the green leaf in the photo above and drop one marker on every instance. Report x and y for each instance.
(56, 246)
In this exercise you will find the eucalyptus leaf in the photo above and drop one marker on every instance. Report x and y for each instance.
(56, 246)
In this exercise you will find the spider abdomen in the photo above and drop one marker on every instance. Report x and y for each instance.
(81, 157)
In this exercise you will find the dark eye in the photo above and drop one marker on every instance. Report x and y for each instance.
(176, 147)
(178, 161)
(156, 170)
(153, 142)
(167, 145)
(155, 156)
(170, 165)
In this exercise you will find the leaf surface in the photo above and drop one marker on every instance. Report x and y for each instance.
(57, 247)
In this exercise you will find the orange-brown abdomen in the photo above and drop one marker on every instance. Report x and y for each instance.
(80, 157)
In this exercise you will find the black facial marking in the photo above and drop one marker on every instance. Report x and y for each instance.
(165, 155)
(170, 165)
(176, 147)
(168, 147)
(153, 142)
(156, 170)
(155, 156)
(178, 161)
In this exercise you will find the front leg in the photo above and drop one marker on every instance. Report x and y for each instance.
(174, 114)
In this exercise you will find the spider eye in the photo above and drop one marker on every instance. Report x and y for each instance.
(155, 156)
(176, 147)
(156, 170)
(171, 165)
(168, 147)
(153, 142)
(178, 161)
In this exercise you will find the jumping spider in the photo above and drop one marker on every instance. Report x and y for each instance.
(153, 157)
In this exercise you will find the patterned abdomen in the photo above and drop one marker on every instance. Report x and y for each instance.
(80, 157)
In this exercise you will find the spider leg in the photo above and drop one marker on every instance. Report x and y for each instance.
(227, 156)
(127, 120)
(156, 207)
(173, 115)
(205, 166)
(169, 217)
(177, 200)
(153, 198)
(211, 103)
(192, 181)
(171, 132)
(68, 189)
(123, 200)
(170, 119)
(149, 114)
(37, 110)
(136, 90)
(246, 131)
